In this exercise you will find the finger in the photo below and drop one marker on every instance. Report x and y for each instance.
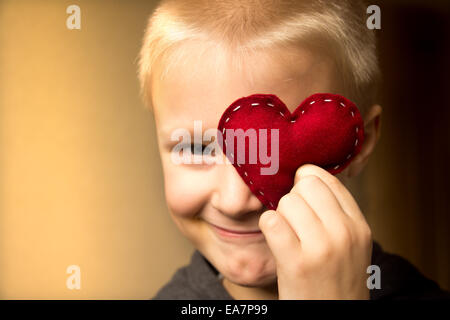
(343, 196)
(323, 201)
(303, 220)
(280, 237)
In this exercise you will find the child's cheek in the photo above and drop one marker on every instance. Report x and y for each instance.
(187, 191)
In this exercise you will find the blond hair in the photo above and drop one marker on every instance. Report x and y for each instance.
(337, 27)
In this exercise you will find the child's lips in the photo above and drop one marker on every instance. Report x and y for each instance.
(236, 233)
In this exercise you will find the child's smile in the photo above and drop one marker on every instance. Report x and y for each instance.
(237, 235)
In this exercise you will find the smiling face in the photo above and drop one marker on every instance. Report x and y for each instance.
(201, 196)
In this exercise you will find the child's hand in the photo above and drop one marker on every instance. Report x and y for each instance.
(321, 242)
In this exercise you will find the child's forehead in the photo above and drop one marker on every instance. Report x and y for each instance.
(219, 64)
(203, 86)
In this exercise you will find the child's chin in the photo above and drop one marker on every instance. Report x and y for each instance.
(257, 281)
(257, 276)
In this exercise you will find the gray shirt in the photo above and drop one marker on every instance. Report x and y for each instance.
(399, 280)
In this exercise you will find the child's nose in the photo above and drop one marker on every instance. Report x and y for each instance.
(232, 196)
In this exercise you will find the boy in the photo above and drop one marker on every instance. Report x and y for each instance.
(200, 56)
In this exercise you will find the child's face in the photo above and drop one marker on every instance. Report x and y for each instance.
(199, 195)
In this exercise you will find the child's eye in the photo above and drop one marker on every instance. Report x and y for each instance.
(195, 154)
(199, 150)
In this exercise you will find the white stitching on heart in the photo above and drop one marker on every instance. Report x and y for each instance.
(250, 181)
(261, 192)
(353, 115)
(342, 104)
(271, 204)
(327, 100)
(270, 105)
(336, 167)
(282, 114)
(312, 102)
(227, 120)
(255, 104)
(245, 172)
(292, 121)
(356, 142)
(237, 108)
(348, 157)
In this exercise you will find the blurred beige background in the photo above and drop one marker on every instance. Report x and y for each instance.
(81, 181)
(80, 175)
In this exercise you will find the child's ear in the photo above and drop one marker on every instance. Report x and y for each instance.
(372, 130)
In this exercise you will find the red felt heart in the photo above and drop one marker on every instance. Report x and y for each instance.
(325, 129)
